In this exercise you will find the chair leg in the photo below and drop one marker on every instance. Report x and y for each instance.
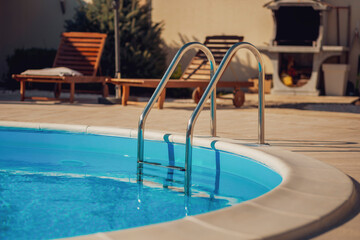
(105, 90)
(22, 90)
(72, 92)
(162, 99)
(57, 90)
(125, 95)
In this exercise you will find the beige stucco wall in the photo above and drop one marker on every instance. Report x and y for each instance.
(31, 23)
(192, 20)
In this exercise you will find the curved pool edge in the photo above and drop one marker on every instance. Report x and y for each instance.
(311, 198)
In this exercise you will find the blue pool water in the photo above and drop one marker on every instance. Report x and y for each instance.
(57, 184)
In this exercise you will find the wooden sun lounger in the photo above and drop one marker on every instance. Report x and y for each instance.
(174, 83)
(196, 75)
(80, 51)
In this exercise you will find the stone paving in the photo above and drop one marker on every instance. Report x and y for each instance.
(325, 133)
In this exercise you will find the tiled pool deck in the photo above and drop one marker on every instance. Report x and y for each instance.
(332, 137)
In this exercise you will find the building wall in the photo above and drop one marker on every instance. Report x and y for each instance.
(31, 23)
(192, 20)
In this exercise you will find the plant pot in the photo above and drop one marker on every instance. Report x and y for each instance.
(335, 77)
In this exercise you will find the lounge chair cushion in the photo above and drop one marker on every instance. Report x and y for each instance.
(56, 71)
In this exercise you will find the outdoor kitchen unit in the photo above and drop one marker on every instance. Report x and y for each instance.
(297, 49)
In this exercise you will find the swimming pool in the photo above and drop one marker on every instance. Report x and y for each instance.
(311, 196)
(57, 184)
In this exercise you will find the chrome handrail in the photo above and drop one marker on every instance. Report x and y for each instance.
(224, 63)
(158, 91)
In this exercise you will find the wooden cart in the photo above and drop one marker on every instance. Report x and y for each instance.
(196, 74)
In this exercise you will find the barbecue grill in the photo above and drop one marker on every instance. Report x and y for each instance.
(297, 48)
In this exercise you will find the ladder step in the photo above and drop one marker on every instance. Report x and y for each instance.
(165, 166)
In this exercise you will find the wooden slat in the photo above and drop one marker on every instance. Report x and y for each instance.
(218, 49)
(59, 79)
(77, 67)
(217, 54)
(77, 58)
(193, 70)
(129, 81)
(224, 39)
(240, 38)
(195, 67)
(196, 76)
(84, 34)
(74, 53)
(20, 77)
(77, 63)
(79, 49)
(81, 44)
(221, 43)
(198, 63)
(199, 71)
(197, 60)
(92, 40)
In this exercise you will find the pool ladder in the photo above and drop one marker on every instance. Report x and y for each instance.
(211, 89)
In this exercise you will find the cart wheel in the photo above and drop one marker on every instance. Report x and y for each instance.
(57, 90)
(197, 94)
(239, 98)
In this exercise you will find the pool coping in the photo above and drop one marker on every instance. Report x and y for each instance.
(312, 196)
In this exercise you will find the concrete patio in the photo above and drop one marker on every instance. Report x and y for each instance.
(325, 128)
